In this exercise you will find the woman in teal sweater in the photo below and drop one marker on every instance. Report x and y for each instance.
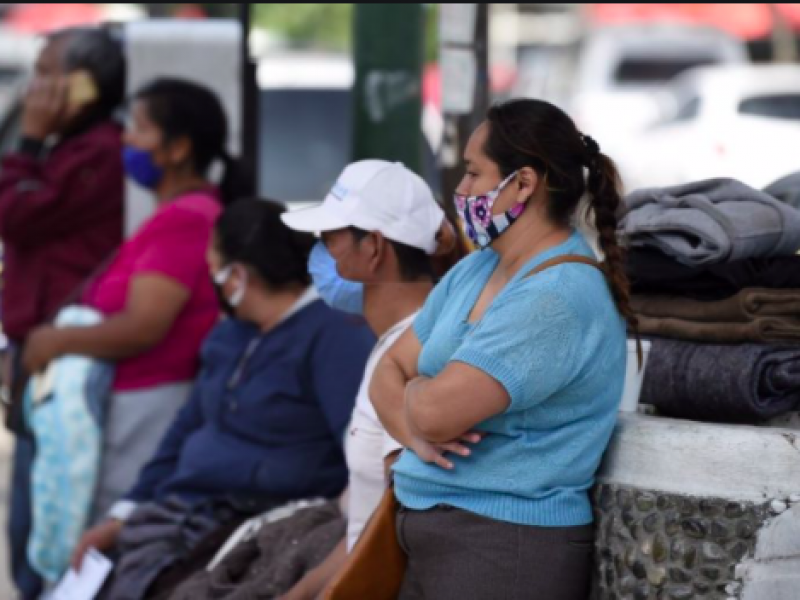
(507, 389)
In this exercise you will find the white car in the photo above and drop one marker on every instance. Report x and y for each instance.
(741, 122)
(622, 68)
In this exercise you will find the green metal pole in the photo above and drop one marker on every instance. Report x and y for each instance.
(388, 88)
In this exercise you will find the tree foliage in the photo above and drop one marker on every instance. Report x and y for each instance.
(326, 26)
(323, 26)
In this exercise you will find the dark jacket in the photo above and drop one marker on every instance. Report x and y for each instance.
(61, 217)
(275, 430)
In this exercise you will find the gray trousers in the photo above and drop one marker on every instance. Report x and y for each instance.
(135, 422)
(457, 555)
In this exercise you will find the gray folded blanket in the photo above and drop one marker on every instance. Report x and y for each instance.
(725, 384)
(711, 221)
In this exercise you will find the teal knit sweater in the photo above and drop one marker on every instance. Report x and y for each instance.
(556, 342)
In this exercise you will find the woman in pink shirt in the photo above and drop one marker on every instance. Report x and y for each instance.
(156, 294)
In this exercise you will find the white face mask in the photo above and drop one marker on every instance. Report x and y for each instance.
(220, 278)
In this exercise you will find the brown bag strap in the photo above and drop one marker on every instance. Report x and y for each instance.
(577, 258)
(566, 258)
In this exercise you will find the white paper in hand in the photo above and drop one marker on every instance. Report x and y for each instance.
(86, 584)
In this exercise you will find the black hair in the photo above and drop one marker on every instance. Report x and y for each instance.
(183, 108)
(251, 232)
(95, 50)
(414, 263)
(536, 134)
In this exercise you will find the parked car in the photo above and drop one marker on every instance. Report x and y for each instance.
(305, 124)
(741, 122)
(306, 120)
(620, 68)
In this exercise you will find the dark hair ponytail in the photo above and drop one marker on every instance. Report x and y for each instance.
(536, 134)
(603, 186)
(182, 108)
(231, 183)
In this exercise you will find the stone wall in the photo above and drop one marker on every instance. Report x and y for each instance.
(654, 546)
(691, 510)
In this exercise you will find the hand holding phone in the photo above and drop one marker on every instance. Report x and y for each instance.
(52, 102)
(45, 107)
(82, 89)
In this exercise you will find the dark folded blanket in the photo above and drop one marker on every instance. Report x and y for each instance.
(161, 534)
(268, 565)
(652, 272)
(725, 384)
(156, 536)
(753, 315)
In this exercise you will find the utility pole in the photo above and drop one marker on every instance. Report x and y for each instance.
(388, 88)
(250, 109)
(464, 60)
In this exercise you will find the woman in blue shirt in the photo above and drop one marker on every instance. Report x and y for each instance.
(506, 391)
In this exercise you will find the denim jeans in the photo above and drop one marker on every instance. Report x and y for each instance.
(27, 581)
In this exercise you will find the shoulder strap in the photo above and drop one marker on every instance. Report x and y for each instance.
(577, 258)
(566, 258)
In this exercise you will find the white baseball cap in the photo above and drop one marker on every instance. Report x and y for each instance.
(376, 195)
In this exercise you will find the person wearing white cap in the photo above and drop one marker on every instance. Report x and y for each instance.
(376, 195)
(380, 223)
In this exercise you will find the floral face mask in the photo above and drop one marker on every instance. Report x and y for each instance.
(476, 212)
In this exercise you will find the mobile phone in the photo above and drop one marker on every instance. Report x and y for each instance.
(82, 89)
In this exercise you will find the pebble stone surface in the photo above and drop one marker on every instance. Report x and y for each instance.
(654, 546)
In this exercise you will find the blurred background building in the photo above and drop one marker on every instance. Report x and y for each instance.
(690, 83)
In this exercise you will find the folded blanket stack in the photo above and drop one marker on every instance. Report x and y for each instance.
(715, 278)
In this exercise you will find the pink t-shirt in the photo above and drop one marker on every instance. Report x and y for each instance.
(173, 243)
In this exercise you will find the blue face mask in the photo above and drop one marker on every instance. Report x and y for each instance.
(139, 166)
(337, 292)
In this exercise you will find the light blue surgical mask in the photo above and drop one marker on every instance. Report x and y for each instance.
(336, 291)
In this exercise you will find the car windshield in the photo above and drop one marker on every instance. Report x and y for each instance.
(776, 106)
(649, 71)
(305, 142)
(305, 139)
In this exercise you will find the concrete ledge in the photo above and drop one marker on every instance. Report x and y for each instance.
(774, 572)
(754, 464)
(691, 511)
(778, 580)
